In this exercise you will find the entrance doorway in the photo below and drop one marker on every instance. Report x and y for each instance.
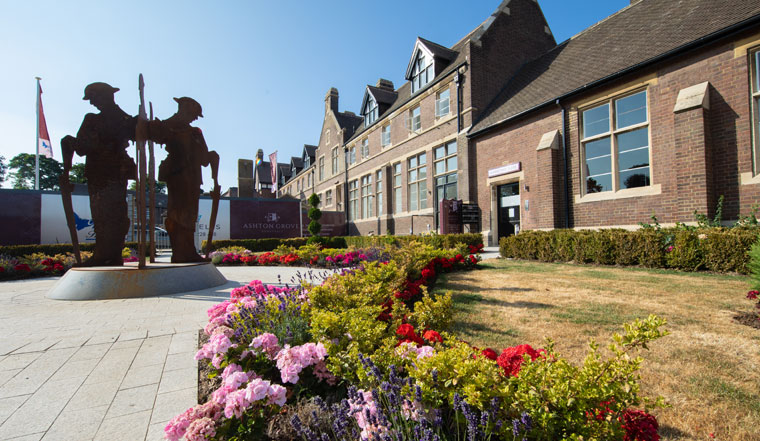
(508, 197)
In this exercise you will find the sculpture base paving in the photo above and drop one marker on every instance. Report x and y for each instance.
(121, 282)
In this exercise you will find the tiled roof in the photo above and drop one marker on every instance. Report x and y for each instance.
(438, 50)
(383, 96)
(311, 150)
(637, 34)
(348, 121)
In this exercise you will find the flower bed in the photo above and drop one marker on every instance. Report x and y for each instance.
(365, 355)
(308, 255)
(34, 265)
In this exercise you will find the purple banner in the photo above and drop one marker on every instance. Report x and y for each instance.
(258, 219)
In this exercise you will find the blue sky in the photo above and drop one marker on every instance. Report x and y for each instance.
(260, 69)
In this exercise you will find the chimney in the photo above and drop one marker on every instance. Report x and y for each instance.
(382, 83)
(331, 100)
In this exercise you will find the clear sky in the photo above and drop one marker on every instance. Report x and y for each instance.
(260, 69)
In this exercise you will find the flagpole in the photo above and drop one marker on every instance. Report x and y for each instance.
(37, 145)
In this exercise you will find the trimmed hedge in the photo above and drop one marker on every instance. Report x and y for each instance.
(712, 249)
(257, 245)
(50, 249)
(435, 240)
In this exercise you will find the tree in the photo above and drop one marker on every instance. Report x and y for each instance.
(23, 176)
(76, 175)
(3, 169)
(160, 187)
(314, 214)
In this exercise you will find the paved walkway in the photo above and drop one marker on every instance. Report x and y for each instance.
(103, 370)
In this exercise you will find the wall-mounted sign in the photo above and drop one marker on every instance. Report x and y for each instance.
(505, 169)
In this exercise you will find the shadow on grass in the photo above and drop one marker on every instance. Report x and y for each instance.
(466, 287)
(467, 300)
(670, 432)
(479, 330)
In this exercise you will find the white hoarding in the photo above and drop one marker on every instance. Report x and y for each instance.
(53, 220)
(222, 230)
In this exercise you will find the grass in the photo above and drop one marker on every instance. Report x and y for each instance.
(707, 369)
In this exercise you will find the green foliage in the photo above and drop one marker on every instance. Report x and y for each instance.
(160, 187)
(558, 395)
(688, 249)
(23, 175)
(3, 169)
(314, 215)
(435, 240)
(754, 264)
(705, 222)
(76, 174)
(51, 249)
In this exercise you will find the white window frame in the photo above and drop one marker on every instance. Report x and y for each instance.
(443, 155)
(379, 191)
(423, 71)
(442, 105)
(367, 196)
(414, 123)
(365, 148)
(613, 133)
(417, 184)
(398, 205)
(385, 135)
(328, 198)
(352, 155)
(353, 199)
(321, 168)
(335, 161)
(370, 111)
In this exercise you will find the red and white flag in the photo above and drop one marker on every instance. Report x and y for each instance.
(43, 144)
(273, 169)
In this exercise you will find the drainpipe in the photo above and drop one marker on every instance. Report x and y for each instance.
(458, 82)
(345, 188)
(564, 157)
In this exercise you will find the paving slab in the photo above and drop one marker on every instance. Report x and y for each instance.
(109, 369)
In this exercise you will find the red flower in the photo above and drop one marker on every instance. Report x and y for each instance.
(432, 336)
(2, 269)
(428, 274)
(639, 426)
(489, 354)
(58, 267)
(405, 330)
(22, 267)
(511, 359)
(752, 295)
(473, 259)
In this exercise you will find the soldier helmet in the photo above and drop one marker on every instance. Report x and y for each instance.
(190, 104)
(96, 89)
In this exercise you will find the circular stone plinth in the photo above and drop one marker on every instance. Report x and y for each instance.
(121, 282)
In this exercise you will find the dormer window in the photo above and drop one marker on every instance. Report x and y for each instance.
(422, 72)
(306, 161)
(370, 111)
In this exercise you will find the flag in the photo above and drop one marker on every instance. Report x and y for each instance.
(273, 169)
(44, 147)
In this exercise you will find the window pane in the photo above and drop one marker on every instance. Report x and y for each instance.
(451, 163)
(451, 178)
(598, 166)
(412, 175)
(423, 195)
(413, 162)
(397, 168)
(451, 148)
(596, 121)
(631, 110)
(440, 167)
(634, 178)
(595, 149)
(757, 72)
(633, 159)
(397, 181)
(451, 191)
(599, 183)
(423, 172)
(422, 159)
(633, 139)
(440, 181)
(440, 152)
(413, 197)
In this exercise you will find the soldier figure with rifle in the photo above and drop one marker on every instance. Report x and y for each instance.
(181, 170)
(102, 139)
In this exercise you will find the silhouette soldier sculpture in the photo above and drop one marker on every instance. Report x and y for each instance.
(181, 170)
(102, 139)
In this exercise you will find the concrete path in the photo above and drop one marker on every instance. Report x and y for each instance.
(103, 370)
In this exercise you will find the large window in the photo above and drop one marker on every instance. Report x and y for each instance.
(328, 198)
(367, 197)
(370, 111)
(442, 103)
(417, 182)
(385, 135)
(397, 204)
(353, 199)
(445, 164)
(616, 144)
(335, 157)
(755, 69)
(352, 154)
(414, 122)
(321, 168)
(422, 72)
(365, 148)
(379, 192)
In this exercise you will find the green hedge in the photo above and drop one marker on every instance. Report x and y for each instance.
(435, 240)
(257, 245)
(50, 249)
(712, 249)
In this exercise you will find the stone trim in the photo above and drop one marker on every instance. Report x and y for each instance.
(693, 97)
(650, 190)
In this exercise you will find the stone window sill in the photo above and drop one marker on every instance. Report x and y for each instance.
(620, 194)
(748, 179)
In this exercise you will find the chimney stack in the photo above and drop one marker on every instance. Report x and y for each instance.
(382, 83)
(331, 100)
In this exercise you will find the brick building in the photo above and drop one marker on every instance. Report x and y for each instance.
(652, 110)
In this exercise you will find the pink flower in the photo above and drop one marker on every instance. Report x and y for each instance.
(219, 343)
(201, 430)
(257, 390)
(276, 394)
(235, 379)
(267, 343)
(425, 352)
(236, 403)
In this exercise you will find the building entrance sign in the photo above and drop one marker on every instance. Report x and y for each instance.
(505, 169)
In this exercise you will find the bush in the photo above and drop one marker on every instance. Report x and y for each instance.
(50, 249)
(434, 240)
(688, 249)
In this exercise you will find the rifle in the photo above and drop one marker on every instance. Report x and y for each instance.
(67, 153)
(216, 193)
(152, 193)
(140, 147)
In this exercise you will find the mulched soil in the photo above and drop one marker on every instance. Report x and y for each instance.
(206, 385)
(750, 319)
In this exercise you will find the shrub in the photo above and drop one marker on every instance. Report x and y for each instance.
(684, 248)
